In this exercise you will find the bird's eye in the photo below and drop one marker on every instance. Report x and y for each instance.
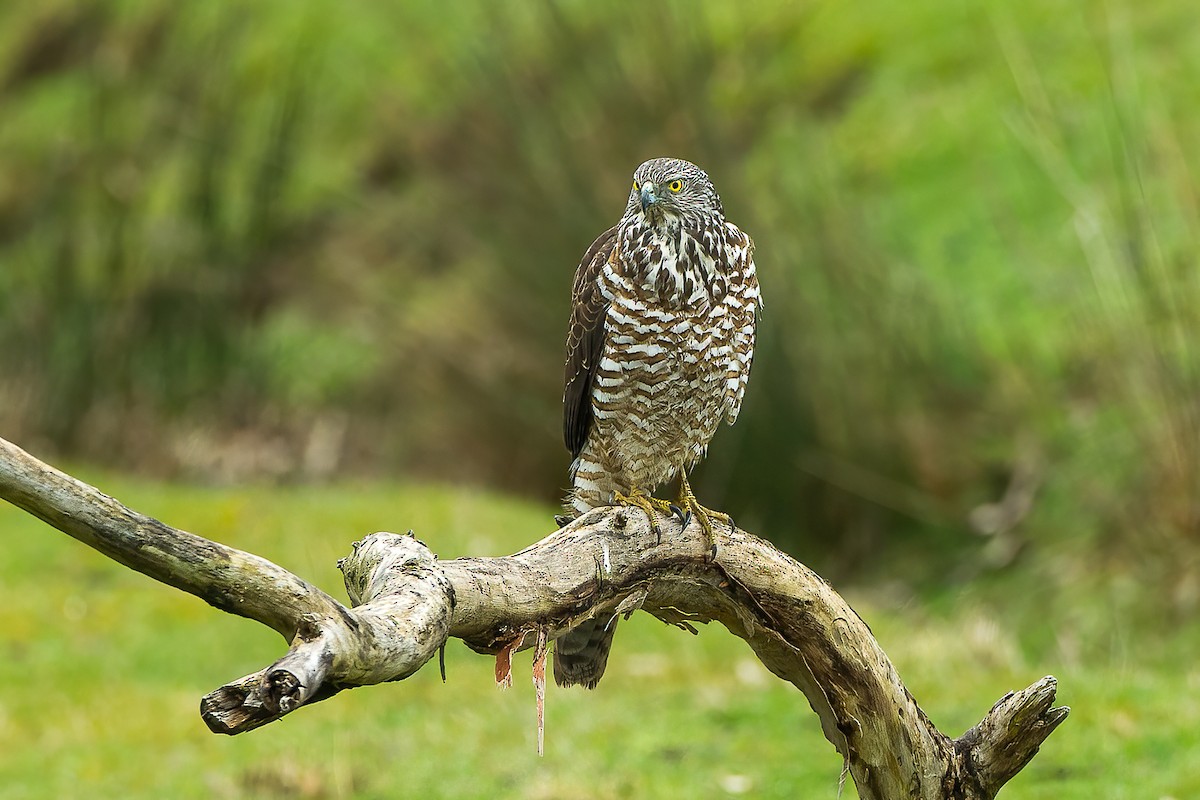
(635, 186)
(675, 186)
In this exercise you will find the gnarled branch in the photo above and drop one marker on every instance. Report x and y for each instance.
(407, 603)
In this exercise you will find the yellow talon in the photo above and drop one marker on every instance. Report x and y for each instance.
(691, 507)
(653, 506)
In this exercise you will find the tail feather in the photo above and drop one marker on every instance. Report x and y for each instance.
(581, 654)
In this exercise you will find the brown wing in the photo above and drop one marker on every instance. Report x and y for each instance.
(585, 341)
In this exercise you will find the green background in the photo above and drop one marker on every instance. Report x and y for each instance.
(283, 273)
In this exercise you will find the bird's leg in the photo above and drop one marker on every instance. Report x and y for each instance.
(687, 501)
(653, 507)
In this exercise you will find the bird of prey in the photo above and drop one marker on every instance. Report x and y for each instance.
(663, 316)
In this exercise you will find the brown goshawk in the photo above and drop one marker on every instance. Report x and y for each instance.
(663, 317)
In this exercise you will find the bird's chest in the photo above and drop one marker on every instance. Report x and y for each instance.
(672, 271)
(665, 359)
(664, 323)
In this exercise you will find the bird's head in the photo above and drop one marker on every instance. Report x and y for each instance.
(667, 189)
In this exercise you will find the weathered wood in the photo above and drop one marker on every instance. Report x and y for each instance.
(406, 605)
(225, 578)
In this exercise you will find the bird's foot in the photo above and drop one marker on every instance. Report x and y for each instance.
(653, 506)
(705, 516)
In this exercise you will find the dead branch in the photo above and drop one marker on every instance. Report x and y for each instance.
(406, 604)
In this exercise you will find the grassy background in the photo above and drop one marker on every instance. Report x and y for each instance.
(102, 672)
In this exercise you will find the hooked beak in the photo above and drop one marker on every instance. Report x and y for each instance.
(648, 196)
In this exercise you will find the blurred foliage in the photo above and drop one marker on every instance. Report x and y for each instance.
(284, 238)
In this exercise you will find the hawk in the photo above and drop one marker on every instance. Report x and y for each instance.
(663, 316)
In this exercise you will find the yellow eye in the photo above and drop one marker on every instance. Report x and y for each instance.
(635, 186)
(675, 186)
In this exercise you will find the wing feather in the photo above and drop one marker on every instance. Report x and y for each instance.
(585, 341)
(745, 321)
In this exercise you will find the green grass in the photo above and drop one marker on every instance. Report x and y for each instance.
(101, 671)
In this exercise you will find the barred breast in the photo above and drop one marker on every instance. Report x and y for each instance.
(679, 340)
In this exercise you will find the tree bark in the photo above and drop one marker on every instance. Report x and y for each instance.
(406, 604)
